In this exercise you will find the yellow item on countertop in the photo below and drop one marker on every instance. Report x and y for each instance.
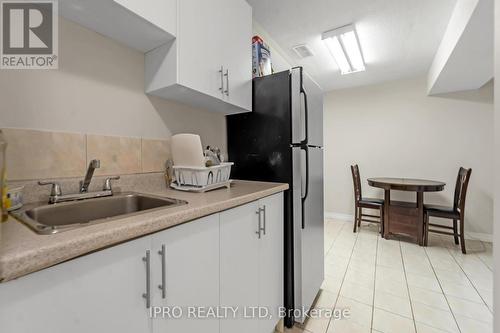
(3, 179)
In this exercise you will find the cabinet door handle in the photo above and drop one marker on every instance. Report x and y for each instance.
(227, 82)
(147, 294)
(221, 72)
(163, 285)
(264, 219)
(259, 228)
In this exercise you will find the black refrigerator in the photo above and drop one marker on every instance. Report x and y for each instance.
(281, 140)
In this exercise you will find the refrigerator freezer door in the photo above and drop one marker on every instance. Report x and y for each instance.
(308, 234)
(307, 109)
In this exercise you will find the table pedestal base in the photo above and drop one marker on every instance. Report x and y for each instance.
(404, 218)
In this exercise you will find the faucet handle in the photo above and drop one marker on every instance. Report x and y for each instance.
(107, 183)
(55, 190)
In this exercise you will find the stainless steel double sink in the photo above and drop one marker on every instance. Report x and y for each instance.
(54, 218)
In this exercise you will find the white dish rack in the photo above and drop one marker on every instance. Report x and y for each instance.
(201, 179)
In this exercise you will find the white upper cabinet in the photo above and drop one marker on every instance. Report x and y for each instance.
(209, 65)
(237, 46)
(140, 24)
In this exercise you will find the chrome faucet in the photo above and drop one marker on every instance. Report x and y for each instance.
(84, 185)
(56, 194)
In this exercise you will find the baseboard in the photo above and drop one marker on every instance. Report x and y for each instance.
(339, 216)
(468, 234)
(479, 236)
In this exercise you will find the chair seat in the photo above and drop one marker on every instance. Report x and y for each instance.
(441, 211)
(373, 202)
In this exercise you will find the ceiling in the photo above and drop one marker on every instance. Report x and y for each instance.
(398, 38)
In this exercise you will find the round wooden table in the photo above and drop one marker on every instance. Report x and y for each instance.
(405, 218)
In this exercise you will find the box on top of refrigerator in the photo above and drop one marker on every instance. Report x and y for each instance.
(261, 58)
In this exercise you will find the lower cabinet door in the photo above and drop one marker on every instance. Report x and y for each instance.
(239, 258)
(271, 258)
(189, 269)
(99, 292)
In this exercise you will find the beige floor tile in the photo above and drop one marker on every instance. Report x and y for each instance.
(428, 297)
(392, 303)
(357, 292)
(422, 328)
(434, 317)
(397, 288)
(468, 325)
(363, 278)
(469, 309)
(295, 329)
(424, 282)
(390, 274)
(388, 322)
(360, 313)
(455, 276)
(346, 326)
(362, 265)
(315, 325)
(461, 291)
(332, 284)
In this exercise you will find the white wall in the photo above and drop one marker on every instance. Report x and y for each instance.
(496, 238)
(99, 88)
(394, 129)
(278, 58)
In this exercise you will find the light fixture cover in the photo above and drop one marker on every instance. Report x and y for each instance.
(343, 44)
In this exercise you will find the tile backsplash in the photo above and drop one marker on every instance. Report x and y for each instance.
(35, 154)
(118, 155)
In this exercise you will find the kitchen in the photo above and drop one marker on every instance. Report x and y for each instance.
(132, 76)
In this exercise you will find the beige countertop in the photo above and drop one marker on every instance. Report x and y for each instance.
(22, 251)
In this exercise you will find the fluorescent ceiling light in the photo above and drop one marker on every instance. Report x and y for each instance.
(344, 47)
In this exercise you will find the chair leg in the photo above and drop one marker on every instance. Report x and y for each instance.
(462, 235)
(455, 231)
(426, 229)
(355, 218)
(360, 216)
(382, 220)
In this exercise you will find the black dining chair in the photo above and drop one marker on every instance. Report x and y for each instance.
(455, 213)
(369, 203)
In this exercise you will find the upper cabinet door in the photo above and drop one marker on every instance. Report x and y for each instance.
(237, 53)
(189, 267)
(99, 292)
(271, 258)
(239, 260)
(200, 42)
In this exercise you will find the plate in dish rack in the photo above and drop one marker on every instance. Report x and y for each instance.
(200, 189)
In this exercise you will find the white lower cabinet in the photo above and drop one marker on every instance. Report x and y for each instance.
(271, 260)
(251, 252)
(190, 275)
(239, 254)
(99, 292)
(219, 260)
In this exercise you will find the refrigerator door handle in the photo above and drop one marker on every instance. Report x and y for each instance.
(306, 191)
(306, 116)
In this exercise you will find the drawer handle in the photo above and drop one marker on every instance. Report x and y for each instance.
(147, 294)
(221, 72)
(163, 285)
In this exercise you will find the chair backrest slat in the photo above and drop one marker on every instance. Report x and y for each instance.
(461, 189)
(356, 179)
